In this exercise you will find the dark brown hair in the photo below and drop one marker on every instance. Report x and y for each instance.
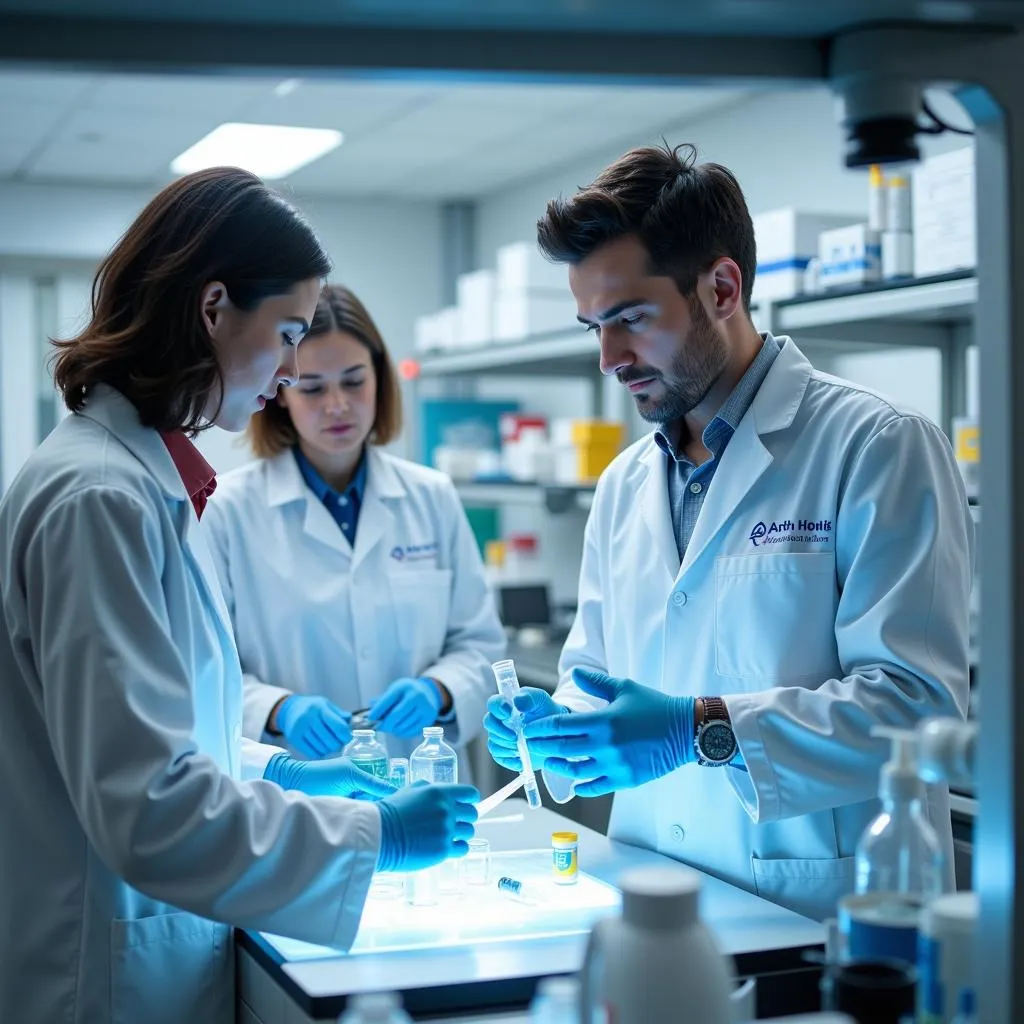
(271, 430)
(687, 215)
(146, 336)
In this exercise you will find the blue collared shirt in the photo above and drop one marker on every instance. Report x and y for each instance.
(345, 507)
(689, 483)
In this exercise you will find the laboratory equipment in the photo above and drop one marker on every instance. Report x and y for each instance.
(433, 761)
(521, 892)
(387, 885)
(946, 955)
(508, 687)
(375, 1008)
(565, 857)
(899, 857)
(478, 862)
(489, 803)
(876, 991)
(557, 1001)
(398, 772)
(658, 961)
(365, 751)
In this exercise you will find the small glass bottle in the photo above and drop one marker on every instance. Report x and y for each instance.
(556, 1001)
(390, 885)
(433, 761)
(367, 753)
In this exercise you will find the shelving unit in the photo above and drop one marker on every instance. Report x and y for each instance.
(553, 497)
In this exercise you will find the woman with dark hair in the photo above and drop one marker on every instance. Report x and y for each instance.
(138, 824)
(352, 576)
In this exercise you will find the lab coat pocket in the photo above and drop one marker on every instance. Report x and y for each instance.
(169, 969)
(775, 616)
(422, 601)
(811, 887)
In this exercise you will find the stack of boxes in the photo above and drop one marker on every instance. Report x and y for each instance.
(532, 295)
(787, 241)
(584, 449)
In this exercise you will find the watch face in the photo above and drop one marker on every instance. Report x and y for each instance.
(717, 742)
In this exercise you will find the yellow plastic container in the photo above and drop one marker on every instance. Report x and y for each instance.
(565, 865)
(594, 459)
(598, 434)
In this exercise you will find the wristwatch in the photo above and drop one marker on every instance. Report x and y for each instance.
(714, 742)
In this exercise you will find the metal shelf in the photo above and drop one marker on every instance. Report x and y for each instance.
(573, 351)
(553, 497)
(916, 311)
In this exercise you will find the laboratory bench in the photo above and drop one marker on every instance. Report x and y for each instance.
(489, 952)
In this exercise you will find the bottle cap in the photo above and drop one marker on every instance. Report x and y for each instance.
(899, 778)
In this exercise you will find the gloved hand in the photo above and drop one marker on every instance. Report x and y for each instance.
(314, 726)
(641, 735)
(406, 706)
(533, 704)
(422, 825)
(337, 776)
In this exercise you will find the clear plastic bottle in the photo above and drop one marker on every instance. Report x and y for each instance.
(557, 1001)
(370, 755)
(375, 1008)
(433, 761)
(899, 851)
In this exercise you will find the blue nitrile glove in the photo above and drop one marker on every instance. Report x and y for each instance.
(533, 704)
(422, 825)
(337, 776)
(313, 725)
(641, 735)
(406, 706)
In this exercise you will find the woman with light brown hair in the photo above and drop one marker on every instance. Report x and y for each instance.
(138, 824)
(352, 576)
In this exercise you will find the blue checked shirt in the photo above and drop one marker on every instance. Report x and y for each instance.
(343, 507)
(688, 483)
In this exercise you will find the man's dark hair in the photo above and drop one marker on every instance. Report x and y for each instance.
(687, 215)
(146, 335)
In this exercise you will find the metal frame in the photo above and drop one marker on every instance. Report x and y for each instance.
(993, 62)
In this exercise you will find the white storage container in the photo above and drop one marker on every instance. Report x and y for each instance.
(521, 267)
(943, 200)
(849, 256)
(520, 314)
(475, 292)
(787, 239)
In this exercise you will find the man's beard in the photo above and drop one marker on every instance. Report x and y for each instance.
(696, 367)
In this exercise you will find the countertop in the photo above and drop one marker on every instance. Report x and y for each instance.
(761, 936)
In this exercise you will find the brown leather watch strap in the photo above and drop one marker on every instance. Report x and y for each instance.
(714, 707)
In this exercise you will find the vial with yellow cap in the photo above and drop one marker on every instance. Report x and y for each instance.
(564, 857)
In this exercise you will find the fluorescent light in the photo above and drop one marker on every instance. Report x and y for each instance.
(287, 87)
(268, 150)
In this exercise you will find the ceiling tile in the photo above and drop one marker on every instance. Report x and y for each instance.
(219, 96)
(53, 88)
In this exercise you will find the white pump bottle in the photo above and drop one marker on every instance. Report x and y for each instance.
(899, 851)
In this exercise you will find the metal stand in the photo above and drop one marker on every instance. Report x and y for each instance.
(991, 69)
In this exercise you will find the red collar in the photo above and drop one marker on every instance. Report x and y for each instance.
(196, 473)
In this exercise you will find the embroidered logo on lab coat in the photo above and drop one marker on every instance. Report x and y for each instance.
(803, 531)
(415, 552)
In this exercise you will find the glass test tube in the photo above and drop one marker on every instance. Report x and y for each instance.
(508, 686)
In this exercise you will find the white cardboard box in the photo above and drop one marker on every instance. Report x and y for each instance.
(944, 213)
(475, 293)
(786, 241)
(850, 256)
(521, 314)
(521, 267)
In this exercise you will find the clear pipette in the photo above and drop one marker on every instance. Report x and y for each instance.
(497, 799)
(508, 687)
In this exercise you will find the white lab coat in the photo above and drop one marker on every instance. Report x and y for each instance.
(813, 634)
(128, 831)
(313, 615)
